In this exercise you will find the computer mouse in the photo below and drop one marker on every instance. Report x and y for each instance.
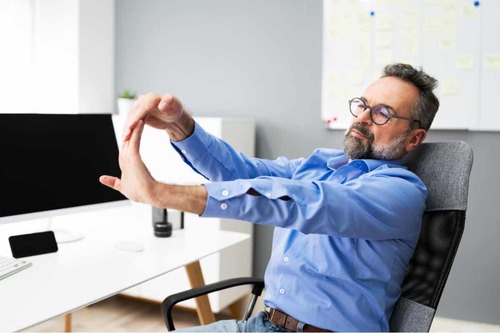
(130, 246)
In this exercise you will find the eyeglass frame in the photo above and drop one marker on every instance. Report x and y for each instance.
(389, 115)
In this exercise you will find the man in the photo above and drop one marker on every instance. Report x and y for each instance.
(346, 222)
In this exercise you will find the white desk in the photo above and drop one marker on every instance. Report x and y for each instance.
(87, 271)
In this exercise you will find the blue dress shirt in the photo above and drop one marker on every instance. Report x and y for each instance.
(344, 232)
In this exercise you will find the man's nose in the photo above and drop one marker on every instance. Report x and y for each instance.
(364, 117)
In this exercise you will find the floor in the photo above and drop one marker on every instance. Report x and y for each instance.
(124, 314)
(120, 314)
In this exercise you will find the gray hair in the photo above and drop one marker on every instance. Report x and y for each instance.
(427, 104)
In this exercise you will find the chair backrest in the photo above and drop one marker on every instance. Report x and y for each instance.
(445, 168)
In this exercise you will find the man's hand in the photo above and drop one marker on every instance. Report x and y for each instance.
(136, 182)
(159, 112)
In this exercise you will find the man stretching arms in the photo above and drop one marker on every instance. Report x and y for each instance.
(346, 222)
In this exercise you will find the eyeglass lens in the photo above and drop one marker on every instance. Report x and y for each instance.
(379, 114)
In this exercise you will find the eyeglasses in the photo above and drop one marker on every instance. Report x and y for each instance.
(379, 114)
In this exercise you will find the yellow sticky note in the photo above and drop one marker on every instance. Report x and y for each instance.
(334, 29)
(363, 53)
(449, 25)
(361, 23)
(384, 57)
(450, 8)
(464, 61)
(447, 43)
(446, 3)
(411, 46)
(384, 22)
(432, 25)
(356, 77)
(492, 61)
(383, 39)
(411, 16)
(411, 32)
(450, 87)
(469, 11)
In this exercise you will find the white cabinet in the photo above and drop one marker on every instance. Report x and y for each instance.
(166, 165)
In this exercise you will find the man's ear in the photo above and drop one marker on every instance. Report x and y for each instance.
(415, 139)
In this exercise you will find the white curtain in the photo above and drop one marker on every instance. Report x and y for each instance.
(17, 55)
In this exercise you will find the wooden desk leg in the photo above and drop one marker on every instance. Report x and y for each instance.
(67, 322)
(203, 308)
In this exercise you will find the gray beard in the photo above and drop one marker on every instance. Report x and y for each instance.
(355, 148)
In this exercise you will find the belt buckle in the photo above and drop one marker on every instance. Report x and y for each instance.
(276, 316)
(279, 318)
(271, 312)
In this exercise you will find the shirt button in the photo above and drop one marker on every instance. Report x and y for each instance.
(184, 151)
(285, 259)
(268, 194)
(282, 291)
(223, 206)
(225, 193)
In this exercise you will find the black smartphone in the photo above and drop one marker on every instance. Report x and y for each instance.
(33, 244)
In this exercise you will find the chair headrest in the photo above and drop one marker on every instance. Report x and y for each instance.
(444, 167)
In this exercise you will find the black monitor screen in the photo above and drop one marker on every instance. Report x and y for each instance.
(53, 161)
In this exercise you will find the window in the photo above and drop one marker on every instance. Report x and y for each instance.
(57, 56)
(17, 59)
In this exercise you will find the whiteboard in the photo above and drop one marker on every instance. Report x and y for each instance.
(455, 41)
(347, 50)
(489, 116)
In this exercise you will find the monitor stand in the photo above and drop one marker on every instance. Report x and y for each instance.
(64, 235)
(67, 236)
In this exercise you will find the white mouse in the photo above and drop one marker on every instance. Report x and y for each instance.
(130, 246)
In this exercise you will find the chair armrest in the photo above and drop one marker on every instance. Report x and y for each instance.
(169, 302)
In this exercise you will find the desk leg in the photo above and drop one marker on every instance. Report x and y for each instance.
(67, 322)
(203, 308)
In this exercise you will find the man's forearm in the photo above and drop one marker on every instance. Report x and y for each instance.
(186, 198)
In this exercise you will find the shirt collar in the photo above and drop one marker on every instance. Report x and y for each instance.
(339, 159)
(369, 165)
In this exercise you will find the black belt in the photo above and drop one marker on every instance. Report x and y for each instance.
(280, 318)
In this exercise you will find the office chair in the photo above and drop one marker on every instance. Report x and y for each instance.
(445, 169)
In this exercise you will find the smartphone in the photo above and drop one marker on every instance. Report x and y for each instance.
(33, 244)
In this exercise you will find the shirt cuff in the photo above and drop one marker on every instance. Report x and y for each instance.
(225, 198)
(193, 146)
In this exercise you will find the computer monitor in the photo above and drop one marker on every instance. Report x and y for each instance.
(51, 164)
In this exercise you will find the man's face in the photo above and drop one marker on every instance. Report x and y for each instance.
(364, 139)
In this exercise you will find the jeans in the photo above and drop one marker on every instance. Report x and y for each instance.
(260, 323)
